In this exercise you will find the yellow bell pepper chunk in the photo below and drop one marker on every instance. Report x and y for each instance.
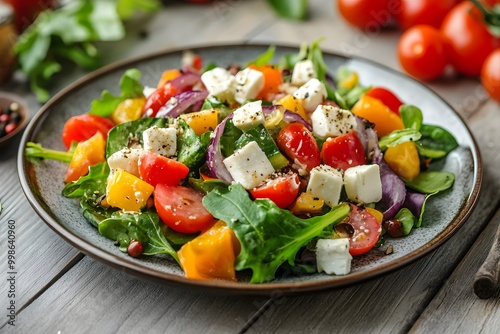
(128, 110)
(307, 203)
(379, 216)
(168, 75)
(404, 160)
(211, 255)
(294, 104)
(202, 121)
(127, 191)
(349, 82)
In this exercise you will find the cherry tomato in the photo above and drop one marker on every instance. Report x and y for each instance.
(298, 143)
(343, 151)
(158, 99)
(181, 208)
(365, 14)
(282, 190)
(430, 12)
(490, 75)
(82, 127)
(366, 228)
(157, 169)
(422, 52)
(468, 42)
(386, 97)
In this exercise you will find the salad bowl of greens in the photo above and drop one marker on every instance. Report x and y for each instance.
(276, 245)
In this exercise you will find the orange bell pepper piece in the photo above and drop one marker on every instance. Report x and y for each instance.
(87, 153)
(272, 80)
(379, 114)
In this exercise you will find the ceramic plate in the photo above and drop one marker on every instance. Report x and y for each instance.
(445, 213)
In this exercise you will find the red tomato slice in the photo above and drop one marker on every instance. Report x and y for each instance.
(158, 99)
(298, 143)
(343, 151)
(181, 208)
(82, 127)
(157, 169)
(282, 190)
(367, 230)
(386, 97)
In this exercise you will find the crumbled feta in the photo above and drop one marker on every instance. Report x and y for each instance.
(248, 84)
(162, 141)
(363, 184)
(126, 159)
(303, 71)
(249, 165)
(330, 121)
(312, 93)
(248, 115)
(332, 256)
(219, 83)
(325, 182)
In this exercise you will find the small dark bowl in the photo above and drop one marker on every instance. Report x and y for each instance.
(5, 101)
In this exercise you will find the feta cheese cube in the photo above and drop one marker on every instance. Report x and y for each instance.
(303, 71)
(126, 159)
(363, 184)
(332, 256)
(248, 84)
(312, 93)
(330, 121)
(219, 83)
(325, 182)
(162, 141)
(248, 115)
(249, 165)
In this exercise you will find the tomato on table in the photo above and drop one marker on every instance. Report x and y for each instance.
(157, 169)
(158, 99)
(343, 151)
(181, 208)
(366, 228)
(365, 14)
(467, 39)
(298, 143)
(490, 75)
(422, 52)
(431, 12)
(82, 127)
(282, 190)
(386, 97)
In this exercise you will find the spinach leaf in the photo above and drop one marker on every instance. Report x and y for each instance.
(94, 213)
(420, 218)
(290, 9)
(121, 135)
(429, 182)
(176, 238)
(398, 137)
(130, 87)
(264, 58)
(191, 149)
(206, 186)
(269, 236)
(142, 226)
(211, 102)
(92, 185)
(407, 219)
(229, 137)
(436, 142)
(412, 116)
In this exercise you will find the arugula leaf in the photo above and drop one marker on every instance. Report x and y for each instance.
(142, 226)
(269, 236)
(92, 185)
(288, 61)
(290, 9)
(264, 58)
(130, 87)
(397, 137)
(429, 182)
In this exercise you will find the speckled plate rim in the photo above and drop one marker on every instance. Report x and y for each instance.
(224, 287)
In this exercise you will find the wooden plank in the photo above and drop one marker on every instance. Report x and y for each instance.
(92, 297)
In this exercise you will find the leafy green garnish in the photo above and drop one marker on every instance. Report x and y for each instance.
(429, 182)
(290, 9)
(288, 61)
(92, 185)
(436, 142)
(191, 148)
(264, 58)
(127, 8)
(130, 87)
(407, 219)
(412, 116)
(269, 236)
(397, 137)
(37, 151)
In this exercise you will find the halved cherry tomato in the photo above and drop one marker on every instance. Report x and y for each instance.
(272, 81)
(343, 151)
(156, 169)
(366, 228)
(298, 143)
(490, 75)
(82, 127)
(181, 208)
(282, 190)
(386, 97)
(467, 39)
(158, 99)
(422, 52)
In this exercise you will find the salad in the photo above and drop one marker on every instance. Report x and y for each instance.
(252, 168)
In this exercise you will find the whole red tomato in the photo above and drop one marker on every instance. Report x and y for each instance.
(490, 74)
(468, 42)
(422, 53)
(365, 14)
(431, 12)
(27, 11)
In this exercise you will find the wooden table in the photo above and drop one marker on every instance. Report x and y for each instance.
(60, 290)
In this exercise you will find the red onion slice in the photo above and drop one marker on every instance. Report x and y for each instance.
(215, 158)
(181, 102)
(185, 81)
(288, 115)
